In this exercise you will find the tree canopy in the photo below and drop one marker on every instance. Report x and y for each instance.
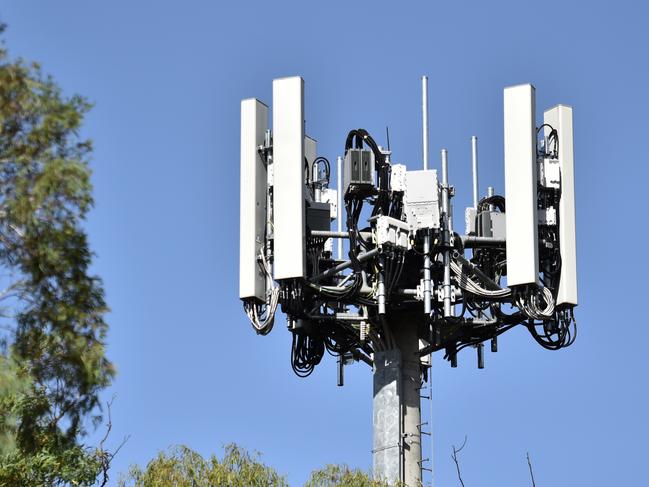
(183, 467)
(53, 364)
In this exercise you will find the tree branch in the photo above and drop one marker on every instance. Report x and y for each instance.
(13, 290)
(106, 456)
(457, 463)
(529, 464)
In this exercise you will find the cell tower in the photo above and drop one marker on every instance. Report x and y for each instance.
(409, 284)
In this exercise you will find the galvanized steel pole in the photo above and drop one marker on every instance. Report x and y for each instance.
(396, 452)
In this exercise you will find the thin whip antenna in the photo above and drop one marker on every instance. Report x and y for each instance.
(474, 168)
(424, 116)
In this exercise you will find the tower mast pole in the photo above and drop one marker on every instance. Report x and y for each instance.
(397, 424)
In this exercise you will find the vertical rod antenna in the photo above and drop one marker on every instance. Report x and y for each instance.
(427, 276)
(446, 287)
(474, 166)
(339, 218)
(424, 116)
(315, 178)
(427, 259)
(476, 194)
(381, 286)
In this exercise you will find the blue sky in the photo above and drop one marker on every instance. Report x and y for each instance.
(167, 77)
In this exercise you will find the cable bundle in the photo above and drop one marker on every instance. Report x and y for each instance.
(560, 332)
(468, 284)
(538, 304)
(262, 316)
(306, 352)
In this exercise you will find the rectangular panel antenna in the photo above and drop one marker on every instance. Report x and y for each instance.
(520, 185)
(288, 162)
(310, 151)
(252, 199)
(560, 118)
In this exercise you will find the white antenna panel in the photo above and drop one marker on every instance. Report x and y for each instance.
(252, 199)
(560, 118)
(520, 185)
(288, 163)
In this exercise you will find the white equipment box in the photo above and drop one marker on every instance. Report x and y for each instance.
(288, 162)
(330, 196)
(398, 177)
(560, 118)
(392, 232)
(421, 199)
(252, 199)
(520, 185)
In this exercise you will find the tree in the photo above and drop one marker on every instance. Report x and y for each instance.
(343, 476)
(13, 385)
(52, 363)
(183, 467)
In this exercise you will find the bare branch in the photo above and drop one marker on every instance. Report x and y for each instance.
(106, 456)
(463, 444)
(109, 425)
(529, 463)
(457, 463)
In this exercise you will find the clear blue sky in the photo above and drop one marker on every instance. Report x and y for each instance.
(166, 79)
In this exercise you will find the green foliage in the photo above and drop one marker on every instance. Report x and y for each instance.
(14, 384)
(183, 467)
(50, 462)
(53, 365)
(342, 476)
